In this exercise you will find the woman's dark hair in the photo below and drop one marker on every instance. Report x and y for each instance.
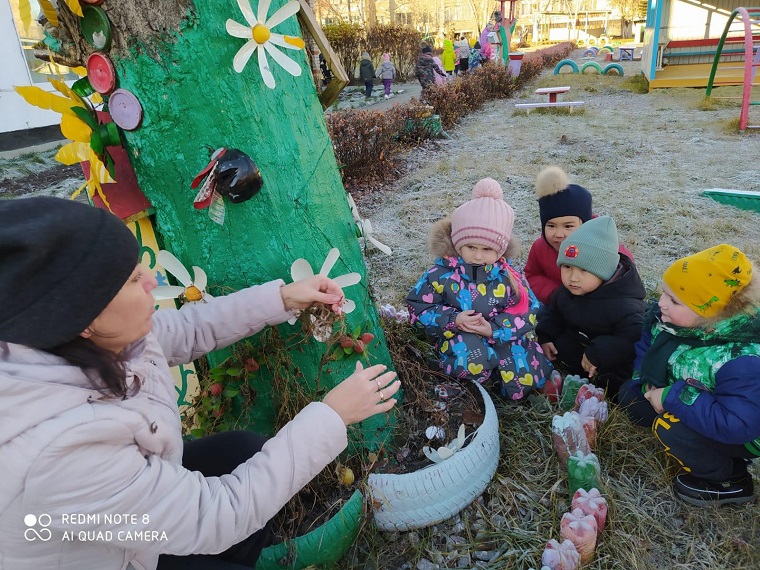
(110, 375)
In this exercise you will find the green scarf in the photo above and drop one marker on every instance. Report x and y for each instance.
(667, 338)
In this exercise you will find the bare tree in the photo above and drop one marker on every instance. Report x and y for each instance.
(481, 12)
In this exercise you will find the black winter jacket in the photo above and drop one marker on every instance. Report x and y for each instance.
(610, 317)
(366, 71)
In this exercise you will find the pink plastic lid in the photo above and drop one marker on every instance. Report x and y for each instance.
(125, 109)
(101, 73)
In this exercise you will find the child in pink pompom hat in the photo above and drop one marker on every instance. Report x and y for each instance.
(476, 307)
(386, 72)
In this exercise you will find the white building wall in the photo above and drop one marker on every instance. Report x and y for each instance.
(15, 113)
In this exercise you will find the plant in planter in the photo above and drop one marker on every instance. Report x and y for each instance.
(438, 490)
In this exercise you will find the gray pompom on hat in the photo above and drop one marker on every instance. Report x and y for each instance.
(593, 247)
(62, 263)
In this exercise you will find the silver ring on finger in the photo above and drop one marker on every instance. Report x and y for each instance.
(379, 386)
(381, 395)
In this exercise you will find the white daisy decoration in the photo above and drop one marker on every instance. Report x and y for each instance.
(301, 269)
(259, 34)
(365, 228)
(193, 290)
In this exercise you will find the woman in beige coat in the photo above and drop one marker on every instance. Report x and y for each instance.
(90, 440)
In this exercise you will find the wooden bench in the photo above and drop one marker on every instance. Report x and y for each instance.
(552, 92)
(529, 106)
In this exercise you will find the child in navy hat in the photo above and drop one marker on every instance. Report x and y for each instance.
(595, 317)
(563, 207)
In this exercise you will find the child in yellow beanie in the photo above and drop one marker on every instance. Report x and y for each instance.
(697, 378)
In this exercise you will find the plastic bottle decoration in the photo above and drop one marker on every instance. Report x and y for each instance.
(568, 436)
(230, 173)
(583, 472)
(592, 503)
(580, 529)
(558, 556)
(595, 408)
(364, 228)
(552, 388)
(570, 389)
(259, 34)
(301, 269)
(193, 290)
(445, 451)
(589, 428)
(587, 391)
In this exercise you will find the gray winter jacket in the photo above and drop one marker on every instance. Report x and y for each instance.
(386, 71)
(107, 472)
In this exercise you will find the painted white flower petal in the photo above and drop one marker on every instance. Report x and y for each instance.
(285, 62)
(288, 42)
(243, 55)
(207, 296)
(444, 452)
(200, 279)
(266, 73)
(245, 8)
(348, 306)
(238, 30)
(348, 279)
(173, 266)
(381, 246)
(262, 10)
(301, 269)
(430, 454)
(283, 13)
(332, 257)
(167, 292)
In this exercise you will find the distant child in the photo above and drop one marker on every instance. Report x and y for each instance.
(387, 72)
(463, 54)
(441, 76)
(476, 58)
(697, 378)
(449, 57)
(426, 70)
(367, 74)
(477, 309)
(594, 319)
(563, 207)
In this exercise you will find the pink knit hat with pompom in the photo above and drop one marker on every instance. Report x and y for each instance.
(485, 220)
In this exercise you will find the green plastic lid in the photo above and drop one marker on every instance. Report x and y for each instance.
(95, 27)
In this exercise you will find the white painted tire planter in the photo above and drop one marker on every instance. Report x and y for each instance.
(438, 492)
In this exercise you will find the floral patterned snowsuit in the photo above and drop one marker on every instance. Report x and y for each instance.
(512, 357)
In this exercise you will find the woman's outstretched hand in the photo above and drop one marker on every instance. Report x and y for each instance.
(365, 393)
(317, 289)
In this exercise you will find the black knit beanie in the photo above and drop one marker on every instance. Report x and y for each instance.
(574, 200)
(61, 263)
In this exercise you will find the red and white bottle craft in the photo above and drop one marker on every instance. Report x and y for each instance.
(587, 391)
(569, 436)
(580, 529)
(558, 556)
(596, 408)
(592, 503)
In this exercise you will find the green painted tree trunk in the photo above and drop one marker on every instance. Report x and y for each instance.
(194, 101)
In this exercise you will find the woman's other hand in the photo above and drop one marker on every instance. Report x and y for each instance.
(365, 393)
(317, 289)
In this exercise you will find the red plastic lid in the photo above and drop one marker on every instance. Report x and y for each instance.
(93, 2)
(101, 73)
(125, 109)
